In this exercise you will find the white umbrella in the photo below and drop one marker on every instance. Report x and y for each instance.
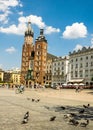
(81, 84)
(64, 84)
(75, 84)
(69, 84)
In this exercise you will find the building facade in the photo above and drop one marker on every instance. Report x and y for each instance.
(40, 58)
(50, 59)
(60, 70)
(16, 77)
(81, 66)
(1, 75)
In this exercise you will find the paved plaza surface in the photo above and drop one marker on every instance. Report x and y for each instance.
(52, 103)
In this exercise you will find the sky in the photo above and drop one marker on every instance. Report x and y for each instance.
(67, 24)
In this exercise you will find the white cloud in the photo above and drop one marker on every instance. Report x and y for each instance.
(92, 41)
(78, 47)
(5, 8)
(21, 27)
(77, 30)
(6, 4)
(10, 50)
(50, 29)
(3, 17)
(13, 29)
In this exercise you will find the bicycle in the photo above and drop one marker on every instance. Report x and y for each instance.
(19, 90)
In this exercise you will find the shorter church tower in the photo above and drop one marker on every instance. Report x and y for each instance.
(40, 58)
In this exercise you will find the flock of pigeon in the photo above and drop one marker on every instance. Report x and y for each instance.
(72, 118)
(80, 117)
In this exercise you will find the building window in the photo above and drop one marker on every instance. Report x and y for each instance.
(86, 57)
(38, 46)
(62, 63)
(38, 53)
(62, 68)
(92, 57)
(87, 64)
(86, 73)
(76, 74)
(71, 74)
(81, 65)
(81, 58)
(81, 73)
(76, 65)
(58, 63)
(71, 66)
(76, 59)
(91, 63)
(71, 60)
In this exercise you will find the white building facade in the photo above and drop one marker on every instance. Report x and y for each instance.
(81, 66)
(60, 70)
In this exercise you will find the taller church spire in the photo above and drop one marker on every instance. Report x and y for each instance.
(29, 31)
(29, 34)
(28, 48)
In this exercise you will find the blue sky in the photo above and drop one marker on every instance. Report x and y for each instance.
(67, 24)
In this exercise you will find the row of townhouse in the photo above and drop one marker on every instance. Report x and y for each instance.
(77, 67)
(10, 76)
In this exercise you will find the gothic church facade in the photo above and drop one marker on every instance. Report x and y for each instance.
(34, 58)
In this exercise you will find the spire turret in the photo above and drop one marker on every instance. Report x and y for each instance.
(41, 36)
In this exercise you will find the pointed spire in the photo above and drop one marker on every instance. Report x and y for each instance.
(29, 30)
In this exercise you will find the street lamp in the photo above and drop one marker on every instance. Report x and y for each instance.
(29, 77)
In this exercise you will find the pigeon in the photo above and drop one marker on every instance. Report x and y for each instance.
(69, 115)
(82, 111)
(86, 106)
(33, 99)
(37, 100)
(24, 121)
(84, 124)
(26, 115)
(52, 118)
(62, 107)
(73, 122)
(72, 114)
(66, 116)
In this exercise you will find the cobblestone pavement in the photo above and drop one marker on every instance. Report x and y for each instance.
(14, 106)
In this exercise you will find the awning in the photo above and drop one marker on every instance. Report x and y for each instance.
(76, 81)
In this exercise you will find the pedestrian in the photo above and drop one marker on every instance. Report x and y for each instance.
(77, 89)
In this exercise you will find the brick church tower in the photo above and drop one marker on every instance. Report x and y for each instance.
(28, 48)
(34, 56)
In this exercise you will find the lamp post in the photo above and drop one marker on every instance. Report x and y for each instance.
(29, 77)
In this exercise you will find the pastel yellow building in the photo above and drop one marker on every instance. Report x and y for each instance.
(16, 78)
(1, 75)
